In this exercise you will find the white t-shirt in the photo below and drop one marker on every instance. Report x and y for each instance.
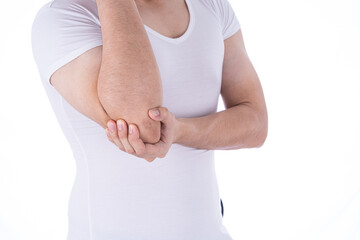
(118, 196)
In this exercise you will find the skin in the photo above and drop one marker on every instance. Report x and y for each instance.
(153, 14)
(129, 81)
(127, 137)
(244, 123)
(174, 12)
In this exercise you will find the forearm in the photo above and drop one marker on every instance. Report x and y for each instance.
(129, 81)
(237, 127)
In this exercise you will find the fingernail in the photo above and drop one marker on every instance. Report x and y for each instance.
(131, 129)
(155, 112)
(111, 127)
(120, 125)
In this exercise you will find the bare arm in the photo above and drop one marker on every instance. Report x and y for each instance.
(76, 81)
(129, 80)
(244, 123)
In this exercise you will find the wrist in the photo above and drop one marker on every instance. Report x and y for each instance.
(180, 130)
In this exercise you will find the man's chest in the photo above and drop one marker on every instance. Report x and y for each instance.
(169, 18)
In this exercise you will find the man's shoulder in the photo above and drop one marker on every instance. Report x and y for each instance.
(64, 9)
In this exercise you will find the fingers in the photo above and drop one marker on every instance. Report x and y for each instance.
(108, 135)
(121, 147)
(135, 141)
(163, 114)
(127, 138)
(155, 113)
(113, 133)
(150, 159)
(123, 136)
(157, 150)
(140, 147)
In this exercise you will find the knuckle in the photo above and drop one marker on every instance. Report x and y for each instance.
(141, 152)
(123, 138)
(131, 151)
(121, 133)
(132, 137)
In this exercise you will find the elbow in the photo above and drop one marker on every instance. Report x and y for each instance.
(118, 104)
(259, 132)
(256, 140)
(261, 138)
(130, 103)
(262, 132)
(149, 130)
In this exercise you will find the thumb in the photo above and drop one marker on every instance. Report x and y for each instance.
(155, 114)
(164, 115)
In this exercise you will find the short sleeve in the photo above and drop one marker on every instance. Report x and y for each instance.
(229, 22)
(60, 34)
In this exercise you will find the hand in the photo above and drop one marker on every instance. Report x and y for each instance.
(131, 143)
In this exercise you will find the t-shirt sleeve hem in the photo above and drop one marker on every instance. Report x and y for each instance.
(231, 32)
(49, 71)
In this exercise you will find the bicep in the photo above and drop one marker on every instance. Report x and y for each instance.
(240, 82)
(76, 82)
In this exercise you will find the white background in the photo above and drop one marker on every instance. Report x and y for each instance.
(304, 183)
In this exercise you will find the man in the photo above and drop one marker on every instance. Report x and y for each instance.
(107, 65)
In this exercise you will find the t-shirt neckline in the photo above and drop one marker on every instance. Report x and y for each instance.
(184, 36)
